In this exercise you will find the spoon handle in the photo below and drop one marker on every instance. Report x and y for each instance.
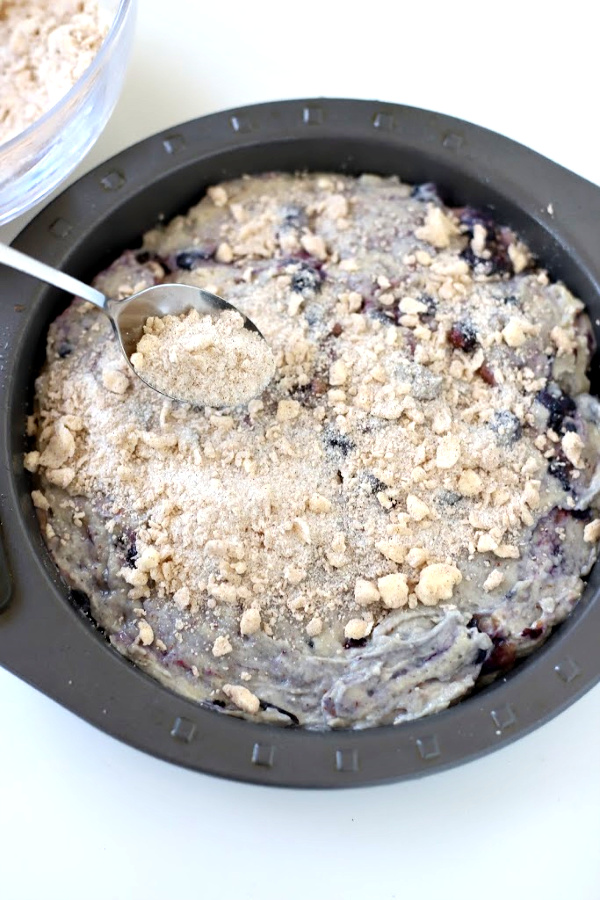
(17, 260)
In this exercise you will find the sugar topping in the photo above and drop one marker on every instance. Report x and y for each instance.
(395, 458)
(206, 360)
(44, 49)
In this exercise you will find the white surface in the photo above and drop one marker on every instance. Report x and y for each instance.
(83, 816)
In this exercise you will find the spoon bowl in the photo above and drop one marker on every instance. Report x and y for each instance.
(129, 315)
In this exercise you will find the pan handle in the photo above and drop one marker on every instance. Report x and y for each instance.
(5, 579)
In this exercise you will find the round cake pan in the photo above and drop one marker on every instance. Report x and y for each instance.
(51, 644)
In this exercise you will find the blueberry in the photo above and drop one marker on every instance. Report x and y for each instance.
(145, 256)
(388, 318)
(582, 515)
(471, 259)
(313, 315)
(308, 394)
(338, 442)
(558, 404)
(559, 468)
(500, 263)
(350, 643)
(318, 386)
(496, 260)
(80, 601)
(503, 656)
(425, 193)
(481, 657)
(486, 374)
(284, 712)
(511, 300)
(463, 336)
(189, 259)
(430, 302)
(469, 217)
(547, 545)
(294, 217)
(532, 633)
(128, 543)
(507, 428)
(447, 498)
(497, 263)
(64, 349)
(131, 554)
(376, 486)
(307, 279)
(185, 665)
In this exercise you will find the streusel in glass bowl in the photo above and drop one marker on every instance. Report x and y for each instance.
(35, 161)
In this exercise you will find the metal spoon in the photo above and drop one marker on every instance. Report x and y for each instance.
(128, 316)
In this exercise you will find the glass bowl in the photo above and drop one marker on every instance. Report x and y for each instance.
(35, 161)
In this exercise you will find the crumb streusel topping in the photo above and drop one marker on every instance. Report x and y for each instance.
(44, 49)
(205, 360)
(427, 417)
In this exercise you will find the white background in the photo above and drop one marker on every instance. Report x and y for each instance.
(83, 816)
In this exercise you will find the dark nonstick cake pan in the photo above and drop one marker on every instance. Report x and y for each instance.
(45, 636)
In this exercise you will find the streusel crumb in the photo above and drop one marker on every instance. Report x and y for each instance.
(409, 504)
(205, 360)
(44, 49)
